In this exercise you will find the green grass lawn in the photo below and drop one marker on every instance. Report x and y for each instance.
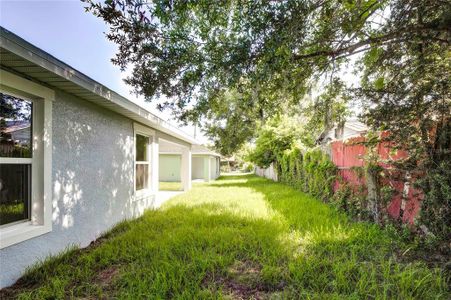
(170, 186)
(241, 237)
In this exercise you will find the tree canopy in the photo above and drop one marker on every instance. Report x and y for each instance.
(233, 65)
(266, 55)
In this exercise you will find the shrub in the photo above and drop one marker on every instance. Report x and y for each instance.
(312, 171)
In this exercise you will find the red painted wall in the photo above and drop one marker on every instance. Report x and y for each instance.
(349, 154)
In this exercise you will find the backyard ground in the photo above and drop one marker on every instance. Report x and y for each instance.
(241, 237)
(170, 186)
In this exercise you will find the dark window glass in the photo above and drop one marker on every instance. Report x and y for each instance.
(15, 192)
(15, 126)
(141, 147)
(142, 176)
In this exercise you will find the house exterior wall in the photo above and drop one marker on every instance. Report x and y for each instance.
(198, 167)
(218, 166)
(170, 167)
(22, 135)
(205, 167)
(92, 180)
(343, 134)
(213, 167)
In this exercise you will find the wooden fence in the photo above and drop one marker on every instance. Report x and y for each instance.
(348, 156)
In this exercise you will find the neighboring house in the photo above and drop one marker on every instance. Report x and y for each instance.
(170, 162)
(349, 129)
(344, 144)
(170, 167)
(20, 131)
(229, 163)
(94, 160)
(206, 163)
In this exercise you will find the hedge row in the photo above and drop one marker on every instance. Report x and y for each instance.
(312, 171)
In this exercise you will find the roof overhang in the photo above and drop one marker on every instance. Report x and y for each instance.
(24, 59)
(206, 154)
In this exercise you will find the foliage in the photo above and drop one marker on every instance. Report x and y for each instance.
(329, 108)
(240, 237)
(312, 171)
(241, 158)
(352, 197)
(12, 108)
(278, 135)
(230, 121)
(282, 142)
(11, 212)
(270, 52)
(269, 55)
(436, 206)
(405, 89)
(248, 167)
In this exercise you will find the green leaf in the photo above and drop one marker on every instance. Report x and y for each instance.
(379, 83)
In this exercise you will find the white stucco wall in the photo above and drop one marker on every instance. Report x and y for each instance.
(213, 174)
(170, 167)
(344, 135)
(92, 180)
(205, 166)
(197, 167)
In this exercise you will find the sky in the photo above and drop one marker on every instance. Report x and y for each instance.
(63, 29)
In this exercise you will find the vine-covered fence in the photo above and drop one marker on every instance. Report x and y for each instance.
(339, 176)
(401, 198)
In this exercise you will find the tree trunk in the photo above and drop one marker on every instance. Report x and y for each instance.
(373, 196)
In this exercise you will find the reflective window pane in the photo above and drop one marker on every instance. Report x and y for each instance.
(15, 126)
(142, 176)
(142, 143)
(15, 192)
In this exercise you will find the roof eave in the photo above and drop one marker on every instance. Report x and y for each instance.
(120, 104)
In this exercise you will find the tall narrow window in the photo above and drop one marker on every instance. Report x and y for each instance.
(16, 158)
(142, 163)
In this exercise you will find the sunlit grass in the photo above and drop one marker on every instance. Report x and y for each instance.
(238, 237)
(170, 186)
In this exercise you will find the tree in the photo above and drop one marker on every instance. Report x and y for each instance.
(276, 136)
(271, 53)
(12, 109)
(194, 51)
(406, 91)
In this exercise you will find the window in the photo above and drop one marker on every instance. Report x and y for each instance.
(25, 159)
(144, 138)
(142, 162)
(16, 120)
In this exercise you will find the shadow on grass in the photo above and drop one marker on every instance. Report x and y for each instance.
(165, 254)
(243, 237)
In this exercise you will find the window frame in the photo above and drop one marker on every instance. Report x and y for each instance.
(24, 160)
(150, 134)
(40, 211)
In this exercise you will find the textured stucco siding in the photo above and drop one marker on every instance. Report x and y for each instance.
(213, 168)
(169, 167)
(92, 182)
(197, 167)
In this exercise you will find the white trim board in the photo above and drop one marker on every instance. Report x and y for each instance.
(41, 202)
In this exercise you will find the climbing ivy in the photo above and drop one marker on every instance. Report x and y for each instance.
(310, 171)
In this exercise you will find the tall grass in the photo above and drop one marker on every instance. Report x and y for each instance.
(239, 237)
